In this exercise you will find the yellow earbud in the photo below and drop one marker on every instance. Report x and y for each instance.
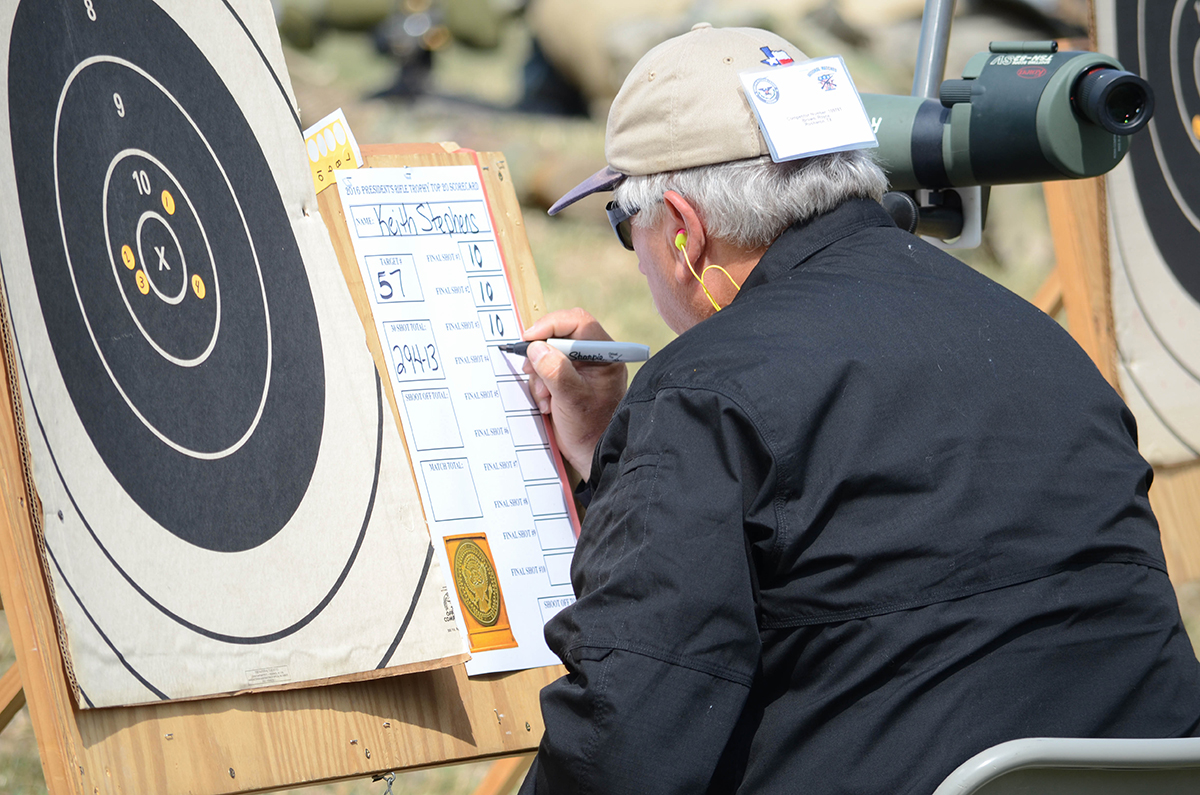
(681, 244)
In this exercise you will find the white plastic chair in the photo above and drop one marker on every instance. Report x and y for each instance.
(1072, 766)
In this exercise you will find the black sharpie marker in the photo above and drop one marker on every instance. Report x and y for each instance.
(589, 350)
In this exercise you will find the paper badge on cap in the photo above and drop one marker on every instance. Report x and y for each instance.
(809, 108)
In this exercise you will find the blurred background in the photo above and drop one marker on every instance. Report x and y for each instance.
(533, 79)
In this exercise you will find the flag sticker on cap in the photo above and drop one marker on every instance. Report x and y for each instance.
(776, 57)
(808, 109)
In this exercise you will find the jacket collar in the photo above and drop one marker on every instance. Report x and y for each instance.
(802, 240)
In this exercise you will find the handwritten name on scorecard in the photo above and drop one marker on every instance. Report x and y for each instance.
(420, 218)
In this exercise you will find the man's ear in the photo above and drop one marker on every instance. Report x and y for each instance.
(686, 236)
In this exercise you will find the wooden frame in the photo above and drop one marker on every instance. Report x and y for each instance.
(1080, 284)
(259, 741)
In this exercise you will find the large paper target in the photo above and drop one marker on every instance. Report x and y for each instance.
(1154, 220)
(224, 493)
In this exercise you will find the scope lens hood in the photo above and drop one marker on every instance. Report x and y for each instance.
(1120, 102)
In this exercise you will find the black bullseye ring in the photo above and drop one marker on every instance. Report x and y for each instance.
(196, 369)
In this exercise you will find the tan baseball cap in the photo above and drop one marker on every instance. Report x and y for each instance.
(682, 106)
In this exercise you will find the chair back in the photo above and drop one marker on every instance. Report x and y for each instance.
(1075, 766)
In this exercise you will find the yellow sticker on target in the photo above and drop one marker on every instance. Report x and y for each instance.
(331, 146)
(168, 202)
(127, 257)
(198, 286)
(143, 284)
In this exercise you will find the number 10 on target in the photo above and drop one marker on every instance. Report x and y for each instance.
(480, 256)
(499, 325)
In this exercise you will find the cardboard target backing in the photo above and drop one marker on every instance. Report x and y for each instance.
(1154, 226)
(226, 502)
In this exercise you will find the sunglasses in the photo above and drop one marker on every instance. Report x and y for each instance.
(620, 221)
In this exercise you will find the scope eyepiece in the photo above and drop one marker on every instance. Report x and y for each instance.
(1120, 102)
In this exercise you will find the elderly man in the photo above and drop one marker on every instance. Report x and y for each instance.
(868, 515)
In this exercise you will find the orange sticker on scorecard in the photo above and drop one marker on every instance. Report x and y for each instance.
(479, 595)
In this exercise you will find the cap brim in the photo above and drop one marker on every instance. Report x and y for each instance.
(604, 179)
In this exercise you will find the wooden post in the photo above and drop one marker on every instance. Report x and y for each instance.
(12, 695)
(26, 597)
(1080, 227)
(503, 775)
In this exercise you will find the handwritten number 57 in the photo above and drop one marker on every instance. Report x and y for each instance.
(386, 285)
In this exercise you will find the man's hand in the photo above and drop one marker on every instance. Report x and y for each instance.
(579, 397)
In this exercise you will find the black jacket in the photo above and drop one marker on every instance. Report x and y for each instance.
(873, 517)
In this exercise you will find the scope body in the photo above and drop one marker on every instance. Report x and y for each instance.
(1022, 112)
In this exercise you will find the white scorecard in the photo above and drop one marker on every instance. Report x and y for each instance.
(491, 482)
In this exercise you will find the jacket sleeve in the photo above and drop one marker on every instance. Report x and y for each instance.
(662, 643)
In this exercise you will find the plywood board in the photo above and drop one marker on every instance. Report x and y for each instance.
(222, 492)
(259, 741)
(274, 739)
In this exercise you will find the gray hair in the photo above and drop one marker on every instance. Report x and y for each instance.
(748, 203)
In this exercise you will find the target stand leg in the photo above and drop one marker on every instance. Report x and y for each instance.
(12, 695)
(504, 774)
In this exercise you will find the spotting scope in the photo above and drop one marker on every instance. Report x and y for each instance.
(1022, 112)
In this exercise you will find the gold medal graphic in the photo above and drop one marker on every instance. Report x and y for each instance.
(479, 594)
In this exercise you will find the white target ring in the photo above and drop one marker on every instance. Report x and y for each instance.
(266, 383)
(173, 300)
(1157, 318)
